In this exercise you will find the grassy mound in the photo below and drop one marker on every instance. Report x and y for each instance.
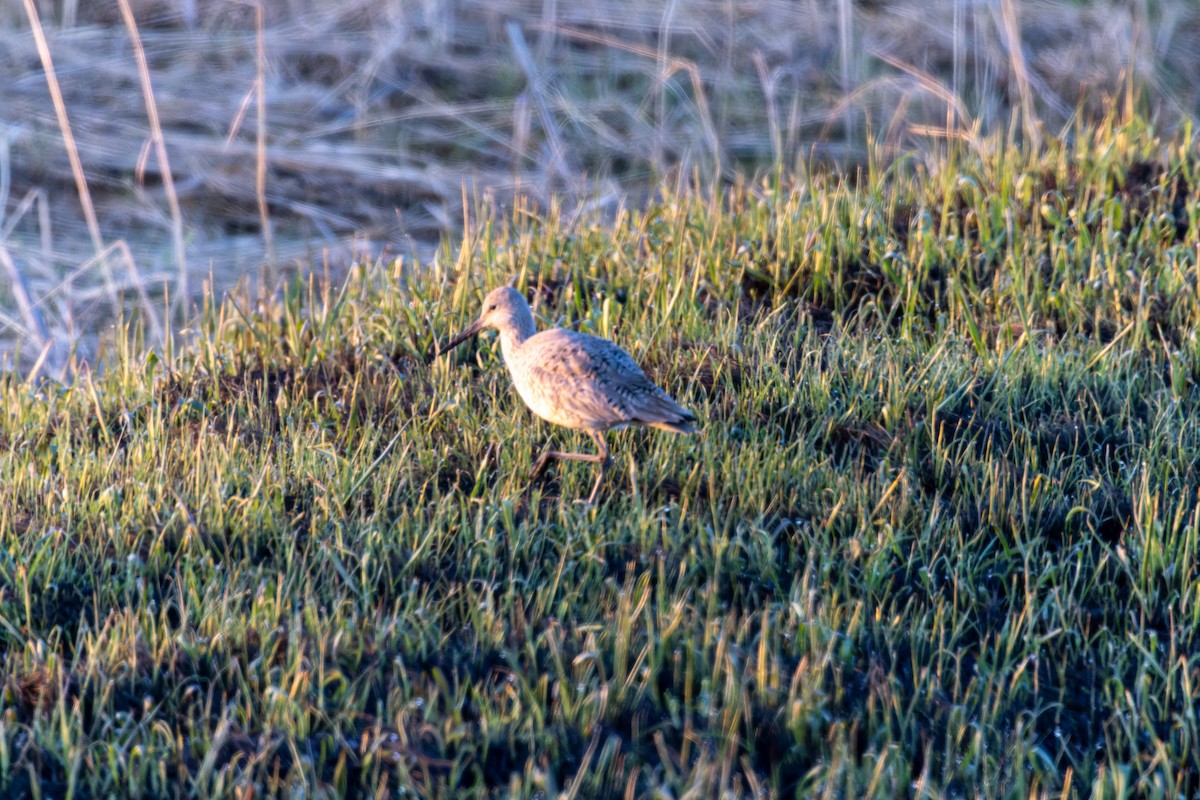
(938, 536)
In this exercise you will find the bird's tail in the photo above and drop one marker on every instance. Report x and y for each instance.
(665, 414)
(675, 427)
(681, 425)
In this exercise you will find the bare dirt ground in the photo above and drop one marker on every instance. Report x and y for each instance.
(308, 134)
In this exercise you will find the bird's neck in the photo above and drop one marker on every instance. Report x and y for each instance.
(514, 334)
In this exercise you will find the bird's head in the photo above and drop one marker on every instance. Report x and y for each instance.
(504, 310)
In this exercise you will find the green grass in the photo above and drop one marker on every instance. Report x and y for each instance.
(938, 536)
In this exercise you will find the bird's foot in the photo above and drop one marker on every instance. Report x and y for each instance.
(591, 498)
(539, 466)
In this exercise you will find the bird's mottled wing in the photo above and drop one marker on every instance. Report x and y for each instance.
(595, 380)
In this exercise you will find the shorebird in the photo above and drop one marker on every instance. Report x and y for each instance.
(574, 380)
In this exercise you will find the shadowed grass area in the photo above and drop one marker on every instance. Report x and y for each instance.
(938, 536)
(152, 145)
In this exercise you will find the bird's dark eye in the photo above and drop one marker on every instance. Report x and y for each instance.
(492, 307)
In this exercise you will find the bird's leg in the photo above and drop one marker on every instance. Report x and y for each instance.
(602, 458)
(557, 455)
(605, 462)
(540, 464)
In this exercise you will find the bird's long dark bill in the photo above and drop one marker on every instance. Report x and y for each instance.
(471, 330)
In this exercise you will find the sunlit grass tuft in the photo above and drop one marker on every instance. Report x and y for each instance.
(938, 535)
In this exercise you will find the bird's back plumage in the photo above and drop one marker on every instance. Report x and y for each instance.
(583, 381)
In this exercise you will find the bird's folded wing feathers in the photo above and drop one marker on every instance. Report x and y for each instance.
(600, 379)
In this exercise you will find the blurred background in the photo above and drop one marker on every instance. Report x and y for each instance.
(148, 147)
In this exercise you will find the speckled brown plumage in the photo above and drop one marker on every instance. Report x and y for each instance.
(574, 379)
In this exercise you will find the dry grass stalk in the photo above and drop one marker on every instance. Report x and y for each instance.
(160, 147)
(381, 112)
